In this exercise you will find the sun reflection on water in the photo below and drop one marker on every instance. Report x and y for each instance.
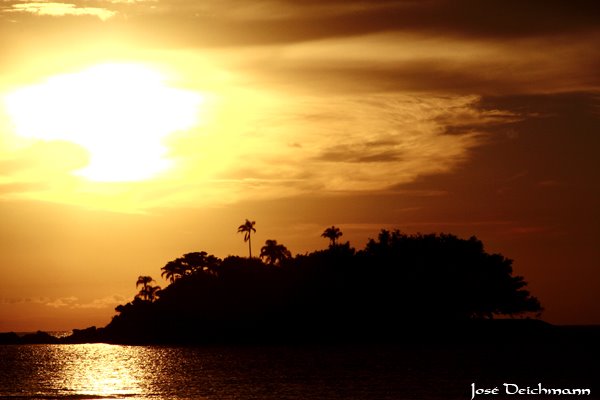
(102, 372)
(97, 371)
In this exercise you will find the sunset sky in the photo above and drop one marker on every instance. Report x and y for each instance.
(133, 131)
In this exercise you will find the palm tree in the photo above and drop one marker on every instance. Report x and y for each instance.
(144, 281)
(274, 253)
(172, 271)
(147, 292)
(332, 234)
(247, 228)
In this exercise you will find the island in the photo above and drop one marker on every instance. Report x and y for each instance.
(400, 287)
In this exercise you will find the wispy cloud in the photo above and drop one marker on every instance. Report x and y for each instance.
(60, 10)
(73, 302)
(24, 300)
(367, 142)
(131, 1)
(62, 302)
(283, 147)
(70, 302)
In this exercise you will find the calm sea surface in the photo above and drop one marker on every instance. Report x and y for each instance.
(101, 371)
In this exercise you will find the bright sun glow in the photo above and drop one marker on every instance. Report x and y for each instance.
(120, 113)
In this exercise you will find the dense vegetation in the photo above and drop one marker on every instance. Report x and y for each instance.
(396, 283)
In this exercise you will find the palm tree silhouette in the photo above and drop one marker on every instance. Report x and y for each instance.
(332, 234)
(274, 253)
(143, 281)
(147, 292)
(172, 271)
(247, 228)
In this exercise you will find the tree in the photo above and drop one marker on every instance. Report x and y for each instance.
(189, 264)
(332, 234)
(397, 283)
(446, 275)
(143, 281)
(172, 271)
(247, 228)
(199, 262)
(274, 253)
(147, 292)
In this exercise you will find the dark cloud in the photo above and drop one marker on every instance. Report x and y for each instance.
(548, 174)
(577, 104)
(236, 23)
(409, 76)
(327, 19)
(466, 76)
(339, 154)
(563, 62)
(380, 151)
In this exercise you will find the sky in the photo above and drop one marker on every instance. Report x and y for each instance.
(135, 131)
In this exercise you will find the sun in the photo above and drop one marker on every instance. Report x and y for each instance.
(120, 113)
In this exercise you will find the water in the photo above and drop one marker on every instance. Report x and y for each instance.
(101, 371)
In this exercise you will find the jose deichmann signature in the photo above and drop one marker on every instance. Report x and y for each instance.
(514, 389)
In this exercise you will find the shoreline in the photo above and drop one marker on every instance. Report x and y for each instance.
(473, 332)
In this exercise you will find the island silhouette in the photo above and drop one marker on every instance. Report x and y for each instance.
(399, 286)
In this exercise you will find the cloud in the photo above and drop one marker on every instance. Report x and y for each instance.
(350, 143)
(60, 10)
(248, 22)
(73, 302)
(359, 155)
(104, 302)
(401, 62)
(24, 300)
(279, 146)
(318, 97)
(62, 302)
(131, 1)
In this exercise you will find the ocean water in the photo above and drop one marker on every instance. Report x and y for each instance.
(102, 371)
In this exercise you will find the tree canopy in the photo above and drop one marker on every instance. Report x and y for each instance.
(274, 253)
(396, 281)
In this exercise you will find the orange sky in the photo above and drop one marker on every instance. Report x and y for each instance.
(132, 132)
